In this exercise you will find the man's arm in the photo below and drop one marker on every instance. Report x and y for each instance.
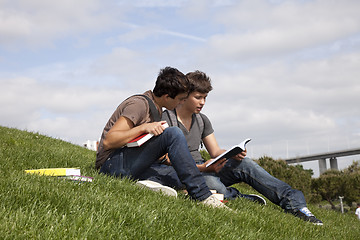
(214, 150)
(212, 146)
(123, 131)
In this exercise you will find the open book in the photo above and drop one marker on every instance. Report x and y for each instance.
(231, 152)
(141, 139)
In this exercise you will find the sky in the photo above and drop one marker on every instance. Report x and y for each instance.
(284, 73)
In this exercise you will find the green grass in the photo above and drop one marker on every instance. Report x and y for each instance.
(39, 207)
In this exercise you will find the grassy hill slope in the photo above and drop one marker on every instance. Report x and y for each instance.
(39, 207)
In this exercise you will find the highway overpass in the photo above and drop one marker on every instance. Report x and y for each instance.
(322, 158)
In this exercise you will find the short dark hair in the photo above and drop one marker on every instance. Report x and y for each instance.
(199, 81)
(171, 81)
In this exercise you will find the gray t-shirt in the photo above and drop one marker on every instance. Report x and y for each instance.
(194, 136)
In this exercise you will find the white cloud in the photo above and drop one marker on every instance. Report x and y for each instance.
(152, 3)
(282, 28)
(303, 107)
(324, 85)
(29, 104)
(39, 23)
(131, 69)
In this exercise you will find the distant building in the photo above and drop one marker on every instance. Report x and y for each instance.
(92, 145)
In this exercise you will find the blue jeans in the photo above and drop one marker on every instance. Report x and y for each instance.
(251, 173)
(136, 161)
(248, 171)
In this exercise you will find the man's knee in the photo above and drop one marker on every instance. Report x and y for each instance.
(173, 133)
(249, 162)
(244, 163)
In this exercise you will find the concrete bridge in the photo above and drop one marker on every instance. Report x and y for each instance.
(322, 158)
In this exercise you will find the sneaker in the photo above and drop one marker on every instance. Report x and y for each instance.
(157, 187)
(213, 201)
(305, 214)
(254, 198)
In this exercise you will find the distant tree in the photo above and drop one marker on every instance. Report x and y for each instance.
(333, 183)
(353, 168)
(351, 179)
(329, 185)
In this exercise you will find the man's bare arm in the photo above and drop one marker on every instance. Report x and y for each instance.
(212, 146)
(124, 131)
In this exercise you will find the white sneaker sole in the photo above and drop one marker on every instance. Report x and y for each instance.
(157, 187)
(318, 224)
(261, 200)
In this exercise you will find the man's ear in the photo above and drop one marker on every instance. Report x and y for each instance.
(165, 96)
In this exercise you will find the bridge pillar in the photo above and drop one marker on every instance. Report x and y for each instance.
(322, 165)
(333, 163)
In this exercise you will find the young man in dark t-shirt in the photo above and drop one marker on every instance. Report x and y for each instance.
(221, 175)
(134, 117)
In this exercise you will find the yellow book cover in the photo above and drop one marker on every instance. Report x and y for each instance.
(55, 171)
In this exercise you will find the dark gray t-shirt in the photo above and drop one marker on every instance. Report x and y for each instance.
(194, 136)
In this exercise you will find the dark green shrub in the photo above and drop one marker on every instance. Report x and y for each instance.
(296, 176)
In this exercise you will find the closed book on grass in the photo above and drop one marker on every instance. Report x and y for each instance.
(55, 171)
(141, 139)
(231, 152)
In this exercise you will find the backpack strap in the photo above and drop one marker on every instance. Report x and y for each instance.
(200, 121)
(172, 117)
(174, 122)
(153, 110)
